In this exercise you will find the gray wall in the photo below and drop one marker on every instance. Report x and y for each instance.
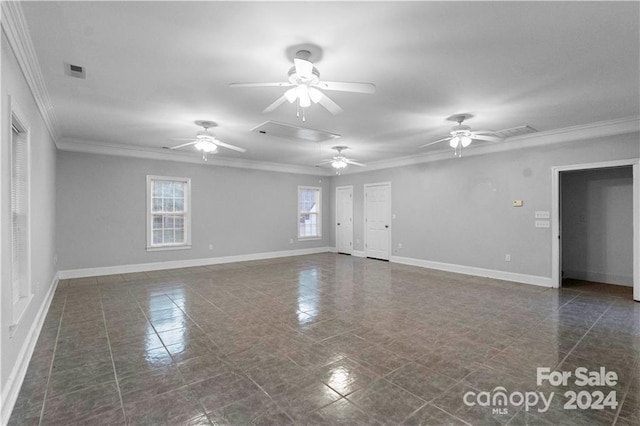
(597, 219)
(42, 199)
(101, 216)
(459, 211)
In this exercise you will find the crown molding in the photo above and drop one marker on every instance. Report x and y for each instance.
(15, 28)
(601, 129)
(120, 150)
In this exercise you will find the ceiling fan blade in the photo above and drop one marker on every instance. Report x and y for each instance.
(229, 146)
(276, 84)
(183, 145)
(354, 163)
(331, 106)
(324, 162)
(487, 138)
(433, 143)
(275, 104)
(483, 132)
(345, 86)
(304, 68)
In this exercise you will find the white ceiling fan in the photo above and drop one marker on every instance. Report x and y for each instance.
(306, 87)
(462, 136)
(205, 140)
(339, 161)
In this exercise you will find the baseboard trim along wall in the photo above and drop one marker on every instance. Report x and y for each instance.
(174, 264)
(479, 272)
(357, 253)
(19, 371)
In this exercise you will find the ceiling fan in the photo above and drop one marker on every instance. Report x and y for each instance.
(462, 136)
(306, 87)
(205, 140)
(339, 161)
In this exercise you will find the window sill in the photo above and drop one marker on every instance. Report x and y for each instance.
(168, 248)
(19, 308)
(309, 238)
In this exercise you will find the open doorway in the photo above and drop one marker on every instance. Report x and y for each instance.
(596, 227)
(596, 217)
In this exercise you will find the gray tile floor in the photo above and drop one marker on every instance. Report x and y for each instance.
(325, 339)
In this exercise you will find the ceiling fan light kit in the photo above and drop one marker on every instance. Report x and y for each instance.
(305, 87)
(462, 136)
(205, 141)
(340, 162)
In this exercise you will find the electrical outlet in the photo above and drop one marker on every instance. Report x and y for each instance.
(210, 246)
(399, 245)
(290, 240)
(507, 258)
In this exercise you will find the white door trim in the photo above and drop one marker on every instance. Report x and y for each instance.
(367, 185)
(555, 217)
(336, 216)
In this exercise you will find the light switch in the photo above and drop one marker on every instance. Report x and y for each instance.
(542, 214)
(542, 224)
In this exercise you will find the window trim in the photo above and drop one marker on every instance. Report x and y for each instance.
(187, 219)
(20, 301)
(318, 214)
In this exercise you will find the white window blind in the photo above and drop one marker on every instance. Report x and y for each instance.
(309, 211)
(168, 213)
(20, 284)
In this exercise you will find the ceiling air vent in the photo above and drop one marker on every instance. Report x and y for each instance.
(283, 130)
(76, 71)
(514, 131)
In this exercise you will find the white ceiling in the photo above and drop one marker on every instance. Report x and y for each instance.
(155, 67)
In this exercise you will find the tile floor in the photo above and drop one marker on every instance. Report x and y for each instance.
(322, 339)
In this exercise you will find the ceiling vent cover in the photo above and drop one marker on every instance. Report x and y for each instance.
(76, 71)
(514, 131)
(283, 130)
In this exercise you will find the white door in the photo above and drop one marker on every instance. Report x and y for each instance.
(344, 219)
(377, 207)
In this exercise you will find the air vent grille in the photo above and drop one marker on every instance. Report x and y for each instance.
(76, 71)
(283, 130)
(514, 131)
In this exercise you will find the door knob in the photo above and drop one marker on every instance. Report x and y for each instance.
(386, 226)
(338, 223)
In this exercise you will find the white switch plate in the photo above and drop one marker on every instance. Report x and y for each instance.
(542, 214)
(542, 224)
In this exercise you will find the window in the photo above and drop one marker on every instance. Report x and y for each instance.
(168, 213)
(20, 267)
(309, 218)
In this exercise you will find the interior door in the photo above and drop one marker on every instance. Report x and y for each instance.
(377, 223)
(344, 219)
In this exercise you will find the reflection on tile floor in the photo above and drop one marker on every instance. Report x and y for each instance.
(324, 339)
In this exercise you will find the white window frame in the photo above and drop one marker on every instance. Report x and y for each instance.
(318, 214)
(187, 214)
(22, 295)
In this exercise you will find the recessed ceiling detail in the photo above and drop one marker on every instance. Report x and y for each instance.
(289, 131)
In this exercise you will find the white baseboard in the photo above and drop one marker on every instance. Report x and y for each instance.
(333, 249)
(19, 370)
(156, 266)
(357, 253)
(480, 272)
(598, 277)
